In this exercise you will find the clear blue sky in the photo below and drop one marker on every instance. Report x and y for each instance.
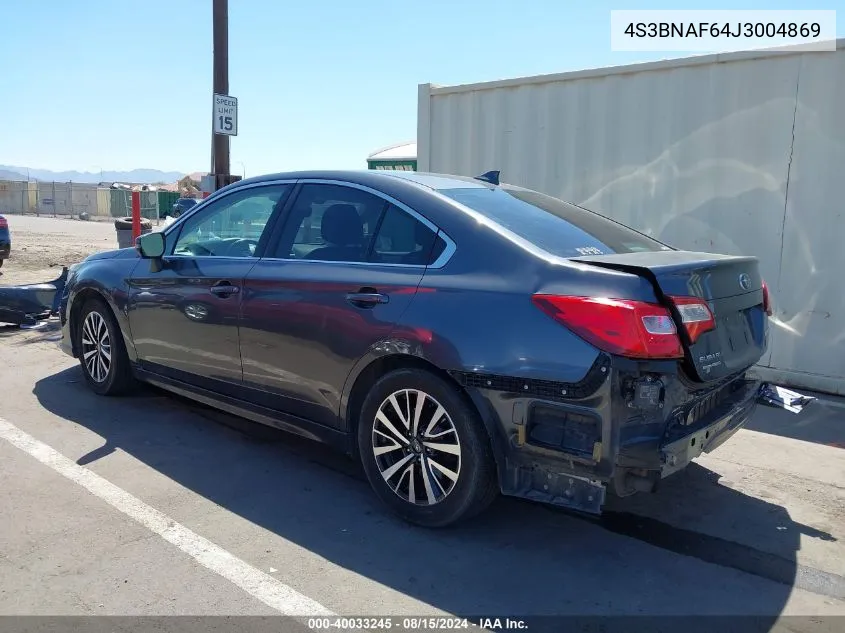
(122, 84)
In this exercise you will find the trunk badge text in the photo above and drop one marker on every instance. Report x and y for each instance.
(716, 359)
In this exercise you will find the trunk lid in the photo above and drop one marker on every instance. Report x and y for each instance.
(731, 286)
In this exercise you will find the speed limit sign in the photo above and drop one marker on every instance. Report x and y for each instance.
(225, 115)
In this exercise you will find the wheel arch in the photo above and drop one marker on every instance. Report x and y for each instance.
(80, 297)
(375, 368)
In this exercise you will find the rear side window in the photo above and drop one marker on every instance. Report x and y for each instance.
(331, 223)
(553, 225)
(337, 223)
(402, 239)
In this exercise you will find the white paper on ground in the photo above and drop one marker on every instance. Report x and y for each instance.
(784, 398)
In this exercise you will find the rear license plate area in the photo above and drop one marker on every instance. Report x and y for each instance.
(735, 332)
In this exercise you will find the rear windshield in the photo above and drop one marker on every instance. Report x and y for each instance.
(555, 226)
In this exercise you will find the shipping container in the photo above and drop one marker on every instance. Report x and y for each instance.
(120, 205)
(402, 157)
(740, 153)
(166, 200)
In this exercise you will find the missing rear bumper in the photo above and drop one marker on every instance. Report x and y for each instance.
(677, 454)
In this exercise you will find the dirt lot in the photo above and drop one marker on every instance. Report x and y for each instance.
(151, 505)
(40, 246)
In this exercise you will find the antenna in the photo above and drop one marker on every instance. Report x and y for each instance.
(491, 176)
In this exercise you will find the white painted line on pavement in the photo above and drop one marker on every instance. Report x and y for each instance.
(255, 582)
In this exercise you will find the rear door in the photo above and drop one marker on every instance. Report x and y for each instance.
(184, 317)
(345, 266)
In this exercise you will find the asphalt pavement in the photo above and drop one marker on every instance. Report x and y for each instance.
(151, 505)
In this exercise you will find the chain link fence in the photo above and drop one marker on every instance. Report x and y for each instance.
(17, 197)
(69, 199)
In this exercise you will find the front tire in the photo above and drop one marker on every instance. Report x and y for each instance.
(102, 353)
(424, 450)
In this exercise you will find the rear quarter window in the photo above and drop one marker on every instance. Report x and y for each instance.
(557, 227)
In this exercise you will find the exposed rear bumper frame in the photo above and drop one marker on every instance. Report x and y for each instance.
(619, 464)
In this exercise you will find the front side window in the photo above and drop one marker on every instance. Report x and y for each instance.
(553, 225)
(232, 226)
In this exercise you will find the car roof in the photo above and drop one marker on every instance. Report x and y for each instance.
(372, 176)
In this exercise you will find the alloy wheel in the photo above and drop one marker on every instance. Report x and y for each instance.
(416, 447)
(96, 347)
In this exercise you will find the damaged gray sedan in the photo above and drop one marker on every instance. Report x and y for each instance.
(460, 337)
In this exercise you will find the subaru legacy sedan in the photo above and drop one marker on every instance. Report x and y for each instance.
(462, 338)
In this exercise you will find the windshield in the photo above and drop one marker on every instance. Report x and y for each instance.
(553, 225)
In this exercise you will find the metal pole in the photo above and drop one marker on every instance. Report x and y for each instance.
(136, 215)
(220, 153)
(54, 198)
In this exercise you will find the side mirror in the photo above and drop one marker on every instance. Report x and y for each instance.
(151, 245)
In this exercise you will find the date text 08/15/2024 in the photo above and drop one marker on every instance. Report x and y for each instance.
(415, 623)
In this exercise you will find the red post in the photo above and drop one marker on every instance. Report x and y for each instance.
(136, 215)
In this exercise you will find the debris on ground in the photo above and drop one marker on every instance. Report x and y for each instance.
(27, 304)
(784, 398)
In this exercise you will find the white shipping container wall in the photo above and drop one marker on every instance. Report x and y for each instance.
(739, 154)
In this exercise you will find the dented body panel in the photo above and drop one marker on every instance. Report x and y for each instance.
(622, 430)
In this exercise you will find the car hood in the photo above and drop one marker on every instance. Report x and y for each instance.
(119, 253)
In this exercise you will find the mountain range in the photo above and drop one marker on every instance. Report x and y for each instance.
(148, 176)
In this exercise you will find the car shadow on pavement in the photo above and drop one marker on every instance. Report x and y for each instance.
(518, 558)
(821, 422)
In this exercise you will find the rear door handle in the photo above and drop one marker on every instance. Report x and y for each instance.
(366, 299)
(224, 289)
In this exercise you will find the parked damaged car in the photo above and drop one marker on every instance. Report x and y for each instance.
(461, 337)
(182, 205)
(5, 240)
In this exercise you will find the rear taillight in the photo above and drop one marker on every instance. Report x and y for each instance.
(695, 315)
(634, 329)
(767, 302)
(3, 223)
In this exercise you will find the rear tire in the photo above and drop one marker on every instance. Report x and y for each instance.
(424, 450)
(102, 353)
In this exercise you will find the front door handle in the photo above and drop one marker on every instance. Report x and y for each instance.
(224, 289)
(366, 299)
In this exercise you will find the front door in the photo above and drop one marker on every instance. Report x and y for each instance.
(184, 317)
(345, 268)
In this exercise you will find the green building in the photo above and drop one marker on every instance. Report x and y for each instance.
(402, 157)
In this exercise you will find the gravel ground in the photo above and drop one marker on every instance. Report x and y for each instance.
(41, 246)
